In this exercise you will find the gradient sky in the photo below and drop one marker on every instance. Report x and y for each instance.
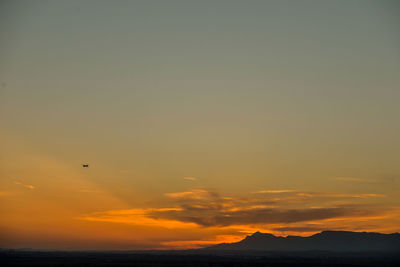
(202, 121)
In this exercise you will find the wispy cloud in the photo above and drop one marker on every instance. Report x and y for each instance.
(274, 191)
(354, 179)
(328, 195)
(84, 190)
(189, 178)
(313, 194)
(195, 194)
(31, 187)
(137, 217)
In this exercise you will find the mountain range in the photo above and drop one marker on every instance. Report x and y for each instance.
(340, 241)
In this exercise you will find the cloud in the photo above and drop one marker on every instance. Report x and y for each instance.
(207, 208)
(292, 211)
(136, 217)
(299, 229)
(94, 191)
(189, 178)
(274, 191)
(328, 195)
(353, 179)
(311, 194)
(218, 217)
(195, 194)
(220, 224)
(25, 185)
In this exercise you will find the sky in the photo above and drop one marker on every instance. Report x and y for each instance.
(201, 121)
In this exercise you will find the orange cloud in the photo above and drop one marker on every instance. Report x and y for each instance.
(274, 191)
(25, 185)
(194, 194)
(137, 217)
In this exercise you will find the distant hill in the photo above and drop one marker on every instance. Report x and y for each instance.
(340, 241)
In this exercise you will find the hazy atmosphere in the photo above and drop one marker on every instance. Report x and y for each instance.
(201, 121)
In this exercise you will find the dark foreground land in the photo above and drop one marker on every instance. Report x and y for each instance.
(188, 258)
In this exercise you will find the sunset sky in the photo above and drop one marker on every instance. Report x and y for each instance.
(202, 121)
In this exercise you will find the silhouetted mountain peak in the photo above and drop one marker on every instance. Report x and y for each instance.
(326, 240)
(259, 235)
(331, 233)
